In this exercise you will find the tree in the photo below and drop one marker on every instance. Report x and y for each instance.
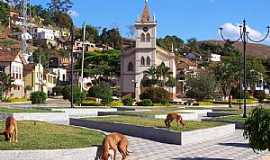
(201, 87)
(168, 41)
(156, 94)
(103, 91)
(151, 72)
(4, 13)
(171, 82)
(60, 6)
(111, 37)
(255, 71)
(163, 72)
(62, 20)
(257, 129)
(91, 34)
(227, 75)
(41, 56)
(105, 64)
(193, 45)
(6, 83)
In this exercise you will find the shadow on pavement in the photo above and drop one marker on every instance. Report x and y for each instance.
(243, 145)
(200, 158)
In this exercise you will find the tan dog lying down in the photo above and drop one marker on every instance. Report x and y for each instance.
(11, 130)
(113, 142)
(171, 117)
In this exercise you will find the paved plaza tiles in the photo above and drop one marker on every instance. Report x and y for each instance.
(233, 147)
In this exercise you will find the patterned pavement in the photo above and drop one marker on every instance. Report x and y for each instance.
(228, 148)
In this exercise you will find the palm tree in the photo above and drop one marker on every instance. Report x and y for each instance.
(151, 72)
(163, 73)
(171, 83)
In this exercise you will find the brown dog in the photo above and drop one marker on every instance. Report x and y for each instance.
(113, 142)
(171, 117)
(11, 130)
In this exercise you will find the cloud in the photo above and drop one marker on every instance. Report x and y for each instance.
(73, 13)
(232, 31)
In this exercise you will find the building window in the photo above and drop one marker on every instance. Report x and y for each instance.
(130, 67)
(142, 61)
(148, 37)
(148, 61)
(143, 37)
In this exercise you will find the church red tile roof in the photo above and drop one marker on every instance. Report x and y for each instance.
(146, 14)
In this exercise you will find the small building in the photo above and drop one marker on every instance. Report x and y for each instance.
(34, 78)
(193, 56)
(61, 74)
(12, 64)
(215, 57)
(51, 81)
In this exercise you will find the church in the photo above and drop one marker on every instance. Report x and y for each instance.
(145, 53)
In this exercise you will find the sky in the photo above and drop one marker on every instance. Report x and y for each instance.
(186, 19)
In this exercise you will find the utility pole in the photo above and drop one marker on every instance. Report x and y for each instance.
(244, 37)
(71, 65)
(83, 50)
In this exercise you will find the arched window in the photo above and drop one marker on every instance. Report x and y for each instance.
(142, 61)
(148, 37)
(130, 67)
(143, 37)
(148, 61)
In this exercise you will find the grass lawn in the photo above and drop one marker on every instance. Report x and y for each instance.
(189, 125)
(30, 110)
(41, 135)
(232, 119)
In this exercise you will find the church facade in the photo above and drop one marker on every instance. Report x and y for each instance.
(144, 54)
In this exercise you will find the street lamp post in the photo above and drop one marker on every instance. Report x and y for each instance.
(71, 65)
(133, 81)
(244, 37)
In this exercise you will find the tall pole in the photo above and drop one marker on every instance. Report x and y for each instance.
(71, 55)
(245, 68)
(83, 50)
(244, 37)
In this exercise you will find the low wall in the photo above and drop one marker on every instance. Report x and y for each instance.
(185, 116)
(60, 154)
(158, 134)
(57, 118)
(202, 112)
(201, 135)
(84, 111)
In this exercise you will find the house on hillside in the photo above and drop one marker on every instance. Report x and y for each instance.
(193, 56)
(34, 78)
(12, 64)
(184, 69)
(215, 58)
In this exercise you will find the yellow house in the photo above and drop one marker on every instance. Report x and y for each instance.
(34, 78)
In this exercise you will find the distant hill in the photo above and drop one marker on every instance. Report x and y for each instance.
(253, 50)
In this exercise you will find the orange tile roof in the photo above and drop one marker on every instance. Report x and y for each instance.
(146, 14)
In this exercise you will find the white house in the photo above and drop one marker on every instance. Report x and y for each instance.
(136, 59)
(61, 73)
(215, 58)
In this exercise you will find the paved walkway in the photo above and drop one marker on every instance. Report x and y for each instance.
(228, 148)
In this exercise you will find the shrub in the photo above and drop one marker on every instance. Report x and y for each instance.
(128, 100)
(38, 97)
(66, 92)
(257, 129)
(260, 95)
(156, 94)
(165, 102)
(78, 96)
(117, 103)
(102, 91)
(145, 102)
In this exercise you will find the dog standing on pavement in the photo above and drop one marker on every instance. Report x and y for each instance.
(113, 142)
(11, 130)
(171, 117)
